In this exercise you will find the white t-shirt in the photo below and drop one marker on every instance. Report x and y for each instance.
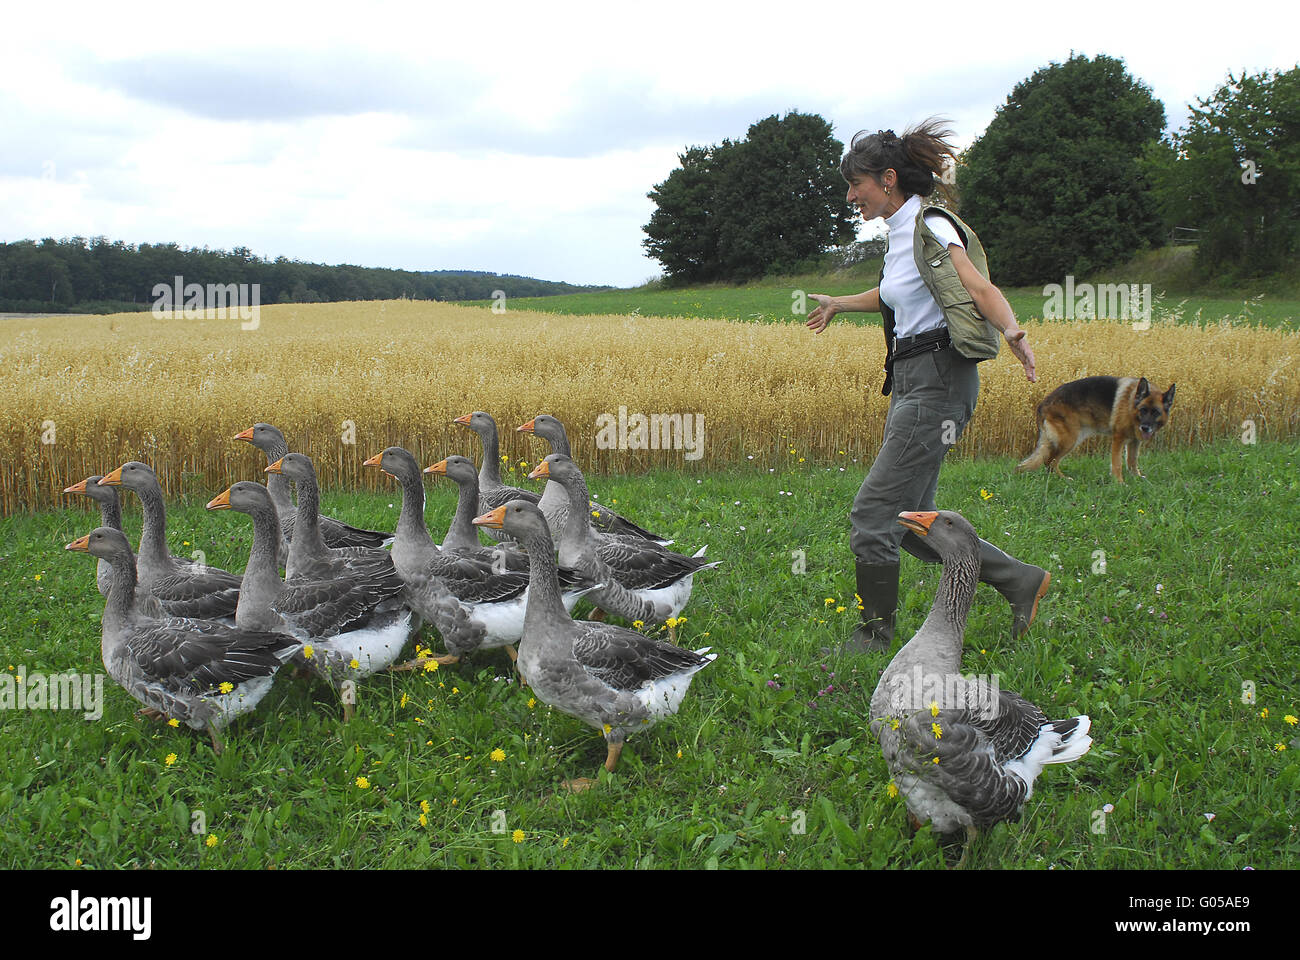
(902, 287)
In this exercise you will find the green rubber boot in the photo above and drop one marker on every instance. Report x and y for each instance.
(877, 601)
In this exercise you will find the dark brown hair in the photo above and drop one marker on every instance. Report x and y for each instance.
(919, 157)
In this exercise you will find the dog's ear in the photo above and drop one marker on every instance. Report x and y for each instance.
(1168, 399)
(1140, 394)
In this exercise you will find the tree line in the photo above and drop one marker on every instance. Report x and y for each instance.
(1075, 173)
(88, 274)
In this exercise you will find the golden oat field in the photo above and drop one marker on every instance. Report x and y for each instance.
(80, 395)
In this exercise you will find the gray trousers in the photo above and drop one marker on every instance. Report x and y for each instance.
(933, 399)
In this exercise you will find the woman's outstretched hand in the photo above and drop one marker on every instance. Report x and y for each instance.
(1024, 353)
(821, 313)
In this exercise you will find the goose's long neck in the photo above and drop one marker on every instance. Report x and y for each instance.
(153, 538)
(261, 583)
(577, 524)
(560, 443)
(412, 532)
(946, 622)
(121, 599)
(277, 484)
(306, 524)
(110, 512)
(545, 606)
(553, 493)
(489, 473)
(462, 534)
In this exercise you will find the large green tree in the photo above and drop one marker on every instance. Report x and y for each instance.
(1233, 172)
(1055, 185)
(738, 210)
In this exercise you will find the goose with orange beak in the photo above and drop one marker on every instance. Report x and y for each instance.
(353, 624)
(187, 588)
(613, 679)
(334, 533)
(110, 515)
(555, 502)
(202, 673)
(962, 752)
(309, 556)
(492, 597)
(642, 581)
(492, 492)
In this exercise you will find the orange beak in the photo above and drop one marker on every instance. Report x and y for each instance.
(440, 468)
(496, 519)
(114, 479)
(275, 467)
(528, 427)
(221, 501)
(918, 522)
(246, 435)
(374, 461)
(82, 545)
(76, 488)
(543, 470)
(464, 421)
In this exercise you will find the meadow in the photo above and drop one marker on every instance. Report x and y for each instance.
(80, 395)
(769, 764)
(1171, 621)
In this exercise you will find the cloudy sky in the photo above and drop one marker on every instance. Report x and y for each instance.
(516, 138)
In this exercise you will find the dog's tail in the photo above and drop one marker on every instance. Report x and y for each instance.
(1044, 449)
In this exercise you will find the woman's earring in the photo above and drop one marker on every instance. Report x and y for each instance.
(886, 191)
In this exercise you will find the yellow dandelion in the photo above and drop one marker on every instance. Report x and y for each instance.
(564, 843)
(532, 702)
(935, 760)
(840, 609)
(608, 728)
(985, 495)
(1264, 714)
(1291, 719)
(404, 701)
(424, 821)
(173, 722)
(170, 759)
(455, 689)
(354, 664)
(307, 651)
(1279, 746)
(517, 836)
(212, 840)
(424, 806)
(454, 801)
(893, 723)
(363, 783)
(830, 601)
(37, 577)
(934, 708)
(892, 790)
(498, 755)
(937, 731)
(431, 666)
(226, 687)
(638, 624)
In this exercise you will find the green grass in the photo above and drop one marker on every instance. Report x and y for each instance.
(1198, 597)
(773, 300)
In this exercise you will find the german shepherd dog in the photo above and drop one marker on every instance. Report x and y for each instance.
(1122, 407)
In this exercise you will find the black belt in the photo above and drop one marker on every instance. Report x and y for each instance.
(905, 347)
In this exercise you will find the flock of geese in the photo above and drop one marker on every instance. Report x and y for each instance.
(202, 646)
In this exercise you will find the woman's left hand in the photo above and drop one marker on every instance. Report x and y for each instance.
(1019, 345)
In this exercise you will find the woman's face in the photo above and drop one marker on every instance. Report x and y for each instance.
(868, 195)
